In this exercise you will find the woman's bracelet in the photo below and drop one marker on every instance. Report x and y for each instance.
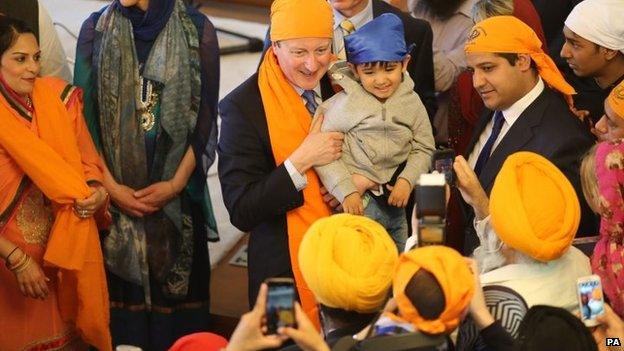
(23, 266)
(20, 262)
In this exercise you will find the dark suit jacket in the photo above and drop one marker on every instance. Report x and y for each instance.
(256, 192)
(546, 127)
(420, 67)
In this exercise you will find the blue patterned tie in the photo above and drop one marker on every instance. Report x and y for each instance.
(311, 104)
(499, 120)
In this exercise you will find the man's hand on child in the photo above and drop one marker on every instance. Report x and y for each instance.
(353, 204)
(362, 183)
(399, 193)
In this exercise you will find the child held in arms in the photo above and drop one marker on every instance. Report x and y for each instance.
(388, 138)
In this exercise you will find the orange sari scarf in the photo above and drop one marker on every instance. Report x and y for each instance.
(53, 162)
(289, 123)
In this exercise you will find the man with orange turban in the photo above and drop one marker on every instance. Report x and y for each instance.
(525, 97)
(269, 144)
(526, 228)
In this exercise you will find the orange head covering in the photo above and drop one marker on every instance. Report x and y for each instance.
(533, 207)
(616, 99)
(508, 34)
(291, 19)
(452, 273)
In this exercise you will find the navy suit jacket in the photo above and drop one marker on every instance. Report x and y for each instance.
(256, 192)
(546, 127)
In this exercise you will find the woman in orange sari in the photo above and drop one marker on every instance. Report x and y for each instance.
(52, 286)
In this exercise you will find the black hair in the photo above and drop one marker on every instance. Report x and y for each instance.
(347, 318)
(553, 328)
(10, 29)
(426, 294)
(380, 64)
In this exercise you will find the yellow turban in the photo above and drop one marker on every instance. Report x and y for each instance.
(452, 273)
(508, 34)
(533, 207)
(348, 261)
(292, 19)
(616, 99)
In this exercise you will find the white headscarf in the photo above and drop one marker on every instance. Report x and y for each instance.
(599, 21)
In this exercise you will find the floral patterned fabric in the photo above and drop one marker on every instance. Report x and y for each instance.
(608, 258)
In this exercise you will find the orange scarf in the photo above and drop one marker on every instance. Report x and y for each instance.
(289, 123)
(53, 162)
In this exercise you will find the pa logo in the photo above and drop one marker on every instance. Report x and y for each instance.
(613, 342)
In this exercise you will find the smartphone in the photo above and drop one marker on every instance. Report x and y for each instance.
(442, 161)
(590, 299)
(280, 306)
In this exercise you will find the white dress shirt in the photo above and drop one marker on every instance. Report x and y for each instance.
(510, 115)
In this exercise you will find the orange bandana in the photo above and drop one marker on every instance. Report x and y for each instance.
(53, 162)
(507, 34)
(288, 122)
(452, 273)
(616, 99)
(292, 19)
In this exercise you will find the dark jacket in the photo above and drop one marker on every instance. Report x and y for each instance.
(546, 127)
(256, 192)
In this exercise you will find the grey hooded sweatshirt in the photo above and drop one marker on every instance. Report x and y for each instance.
(379, 136)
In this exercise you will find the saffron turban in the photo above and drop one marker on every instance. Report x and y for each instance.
(599, 21)
(454, 277)
(348, 262)
(616, 99)
(508, 34)
(293, 19)
(533, 207)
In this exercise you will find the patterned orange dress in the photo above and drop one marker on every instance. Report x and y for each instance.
(26, 218)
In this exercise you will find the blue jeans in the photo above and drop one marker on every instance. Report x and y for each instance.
(390, 217)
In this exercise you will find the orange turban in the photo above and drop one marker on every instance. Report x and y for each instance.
(533, 207)
(452, 273)
(616, 99)
(348, 262)
(508, 34)
(292, 19)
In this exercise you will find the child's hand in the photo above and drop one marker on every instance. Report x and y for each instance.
(362, 183)
(400, 193)
(353, 204)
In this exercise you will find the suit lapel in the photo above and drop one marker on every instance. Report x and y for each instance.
(516, 138)
(376, 8)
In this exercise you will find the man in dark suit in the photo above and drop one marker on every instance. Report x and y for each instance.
(524, 114)
(417, 32)
(266, 157)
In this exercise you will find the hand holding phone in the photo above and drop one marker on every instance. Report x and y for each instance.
(280, 307)
(442, 162)
(590, 298)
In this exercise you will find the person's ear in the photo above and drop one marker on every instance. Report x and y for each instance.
(524, 62)
(406, 60)
(353, 69)
(609, 54)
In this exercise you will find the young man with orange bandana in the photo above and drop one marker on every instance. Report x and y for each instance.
(269, 144)
(527, 101)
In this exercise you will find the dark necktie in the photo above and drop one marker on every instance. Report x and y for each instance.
(499, 120)
(311, 105)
